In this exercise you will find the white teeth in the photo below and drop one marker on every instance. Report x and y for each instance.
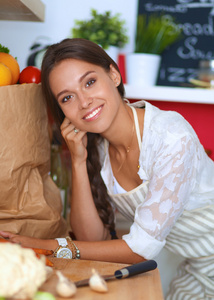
(93, 113)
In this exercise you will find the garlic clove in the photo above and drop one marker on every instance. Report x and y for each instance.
(65, 287)
(97, 283)
(49, 271)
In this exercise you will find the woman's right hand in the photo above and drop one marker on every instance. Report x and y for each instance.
(75, 139)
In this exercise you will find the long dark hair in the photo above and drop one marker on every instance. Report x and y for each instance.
(87, 51)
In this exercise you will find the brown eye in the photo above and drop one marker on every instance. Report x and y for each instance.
(90, 82)
(65, 99)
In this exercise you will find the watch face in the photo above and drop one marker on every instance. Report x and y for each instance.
(64, 253)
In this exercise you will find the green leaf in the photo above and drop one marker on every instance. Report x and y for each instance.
(103, 29)
(43, 296)
(4, 49)
(155, 33)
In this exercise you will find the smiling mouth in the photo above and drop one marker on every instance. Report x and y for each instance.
(94, 114)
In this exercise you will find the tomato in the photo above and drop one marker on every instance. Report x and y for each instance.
(30, 74)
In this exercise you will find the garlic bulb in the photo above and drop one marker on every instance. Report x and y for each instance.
(97, 283)
(65, 287)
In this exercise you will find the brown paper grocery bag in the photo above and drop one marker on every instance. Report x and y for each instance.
(30, 202)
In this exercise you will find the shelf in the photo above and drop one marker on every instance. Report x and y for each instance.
(172, 94)
(22, 10)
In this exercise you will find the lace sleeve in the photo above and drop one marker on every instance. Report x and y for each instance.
(171, 182)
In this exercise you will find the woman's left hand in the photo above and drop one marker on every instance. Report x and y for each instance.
(29, 242)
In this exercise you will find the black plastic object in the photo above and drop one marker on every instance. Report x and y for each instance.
(135, 269)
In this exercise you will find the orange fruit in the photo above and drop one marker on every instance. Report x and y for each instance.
(5, 75)
(12, 64)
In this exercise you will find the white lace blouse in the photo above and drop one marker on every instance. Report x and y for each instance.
(177, 175)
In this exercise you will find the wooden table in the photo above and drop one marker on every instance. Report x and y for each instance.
(145, 286)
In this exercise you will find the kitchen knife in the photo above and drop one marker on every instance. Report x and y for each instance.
(129, 271)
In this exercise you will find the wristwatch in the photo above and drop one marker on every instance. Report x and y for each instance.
(63, 251)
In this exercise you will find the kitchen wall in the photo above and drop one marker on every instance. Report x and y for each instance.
(60, 15)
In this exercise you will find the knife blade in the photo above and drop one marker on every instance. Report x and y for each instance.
(129, 271)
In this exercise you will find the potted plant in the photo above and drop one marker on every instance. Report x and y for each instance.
(154, 34)
(104, 29)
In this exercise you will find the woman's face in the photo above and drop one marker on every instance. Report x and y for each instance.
(86, 93)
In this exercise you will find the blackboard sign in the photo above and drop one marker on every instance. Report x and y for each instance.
(196, 18)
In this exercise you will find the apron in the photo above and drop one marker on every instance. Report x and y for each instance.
(192, 236)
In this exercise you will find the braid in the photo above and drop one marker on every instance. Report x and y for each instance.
(98, 188)
(86, 51)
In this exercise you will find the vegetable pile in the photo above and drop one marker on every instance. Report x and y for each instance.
(10, 70)
(24, 270)
(22, 273)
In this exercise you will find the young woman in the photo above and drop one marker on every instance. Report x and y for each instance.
(147, 163)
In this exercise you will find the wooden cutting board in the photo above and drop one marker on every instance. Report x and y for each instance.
(145, 286)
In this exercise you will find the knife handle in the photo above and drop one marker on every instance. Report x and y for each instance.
(135, 269)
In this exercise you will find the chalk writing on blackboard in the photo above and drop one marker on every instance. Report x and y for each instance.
(196, 19)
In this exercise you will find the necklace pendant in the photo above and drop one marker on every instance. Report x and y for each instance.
(128, 148)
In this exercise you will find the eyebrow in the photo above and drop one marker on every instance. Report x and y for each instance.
(80, 80)
(85, 74)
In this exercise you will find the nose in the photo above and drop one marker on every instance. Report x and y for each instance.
(84, 100)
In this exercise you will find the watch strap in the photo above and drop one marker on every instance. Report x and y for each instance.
(62, 242)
